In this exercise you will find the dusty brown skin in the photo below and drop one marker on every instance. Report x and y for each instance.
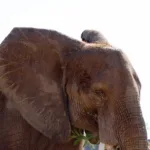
(51, 82)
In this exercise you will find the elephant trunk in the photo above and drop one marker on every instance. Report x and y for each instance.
(93, 36)
(130, 129)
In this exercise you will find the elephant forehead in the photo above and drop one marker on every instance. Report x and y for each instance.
(98, 58)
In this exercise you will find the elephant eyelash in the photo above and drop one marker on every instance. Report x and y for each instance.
(98, 92)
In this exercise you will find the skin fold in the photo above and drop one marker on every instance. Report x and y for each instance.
(51, 82)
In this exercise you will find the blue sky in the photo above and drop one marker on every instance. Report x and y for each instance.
(125, 23)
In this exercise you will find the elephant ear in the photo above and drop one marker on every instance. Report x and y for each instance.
(32, 80)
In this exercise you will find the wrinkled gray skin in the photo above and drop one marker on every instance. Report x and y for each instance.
(50, 83)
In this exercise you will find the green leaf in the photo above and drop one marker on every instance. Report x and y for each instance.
(77, 141)
(78, 136)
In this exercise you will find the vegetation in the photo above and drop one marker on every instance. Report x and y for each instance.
(79, 135)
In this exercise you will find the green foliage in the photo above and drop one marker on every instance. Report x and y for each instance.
(78, 135)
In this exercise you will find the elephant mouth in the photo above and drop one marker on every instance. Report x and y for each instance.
(79, 134)
(92, 135)
(94, 120)
(93, 115)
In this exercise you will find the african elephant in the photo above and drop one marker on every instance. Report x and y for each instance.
(51, 82)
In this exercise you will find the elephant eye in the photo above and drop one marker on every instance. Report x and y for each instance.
(98, 92)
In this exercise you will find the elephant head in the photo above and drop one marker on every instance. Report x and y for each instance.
(57, 83)
(93, 36)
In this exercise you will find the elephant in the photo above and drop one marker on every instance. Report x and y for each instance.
(51, 83)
